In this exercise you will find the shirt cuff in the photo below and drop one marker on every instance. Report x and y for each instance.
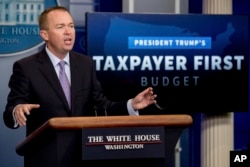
(131, 111)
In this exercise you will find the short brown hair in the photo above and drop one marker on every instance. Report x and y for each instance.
(43, 17)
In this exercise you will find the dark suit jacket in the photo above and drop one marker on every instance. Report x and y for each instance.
(34, 80)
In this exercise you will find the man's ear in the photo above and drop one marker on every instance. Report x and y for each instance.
(44, 35)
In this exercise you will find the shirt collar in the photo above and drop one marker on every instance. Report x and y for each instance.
(55, 60)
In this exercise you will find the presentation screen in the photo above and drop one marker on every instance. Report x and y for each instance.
(194, 62)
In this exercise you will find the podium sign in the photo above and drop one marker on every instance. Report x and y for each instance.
(123, 143)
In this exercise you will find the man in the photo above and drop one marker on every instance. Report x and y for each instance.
(36, 94)
(35, 91)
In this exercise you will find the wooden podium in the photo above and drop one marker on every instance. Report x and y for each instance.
(58, 142)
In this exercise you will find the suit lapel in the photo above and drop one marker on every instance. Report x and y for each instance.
(74, 77)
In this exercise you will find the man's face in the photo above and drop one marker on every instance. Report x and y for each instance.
(60, 35)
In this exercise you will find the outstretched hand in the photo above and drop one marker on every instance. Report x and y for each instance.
(144, 99)
(21, 110)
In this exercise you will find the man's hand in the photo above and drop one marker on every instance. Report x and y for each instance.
(144, 99)
(21, 110)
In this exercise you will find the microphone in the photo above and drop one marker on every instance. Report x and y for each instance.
(158, 106)
(101, 111)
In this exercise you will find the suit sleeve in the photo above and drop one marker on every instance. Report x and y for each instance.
(18, 94)
(103, 104)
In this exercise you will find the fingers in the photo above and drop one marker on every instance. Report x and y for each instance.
(149, 90)
(152, 100)
(21, 110)
(150, 94)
